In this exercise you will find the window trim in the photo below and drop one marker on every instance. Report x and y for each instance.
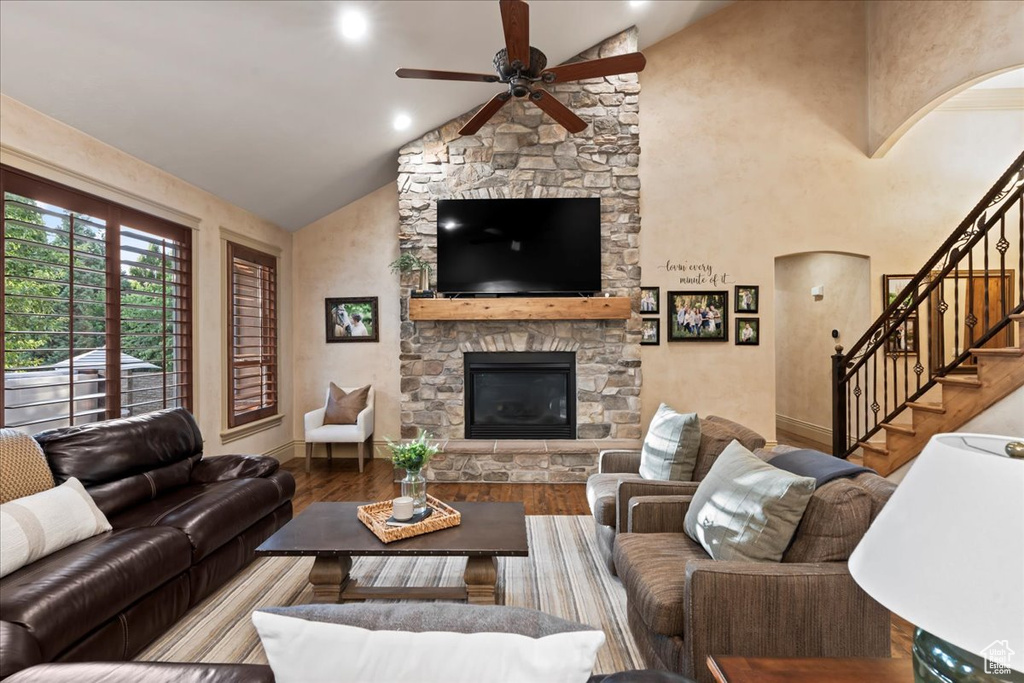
(39, 188)
(265, 416)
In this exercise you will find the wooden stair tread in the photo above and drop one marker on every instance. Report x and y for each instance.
(876, 447)
(1005, 351)
(1017, 316)
(899, 429)
(936, 408)
(968, 381)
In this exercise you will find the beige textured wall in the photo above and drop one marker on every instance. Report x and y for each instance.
(803, 333)
(26, 130)
(753, 134)
(347, 254)
(921, 51)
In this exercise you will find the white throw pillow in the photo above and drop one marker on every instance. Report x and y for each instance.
(301, 651)
(670, 448)
(43, 523)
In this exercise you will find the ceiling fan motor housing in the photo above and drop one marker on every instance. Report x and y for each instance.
(538, 62)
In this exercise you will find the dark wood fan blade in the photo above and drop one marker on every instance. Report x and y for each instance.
(485, 113)
(558, 111)
(515, 20)
(596, 68)
(446, 75)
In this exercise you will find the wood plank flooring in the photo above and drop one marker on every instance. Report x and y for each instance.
(340, 480)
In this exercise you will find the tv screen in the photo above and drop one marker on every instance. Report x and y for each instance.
(519, 246)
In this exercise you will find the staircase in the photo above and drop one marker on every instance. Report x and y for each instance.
(950, 344)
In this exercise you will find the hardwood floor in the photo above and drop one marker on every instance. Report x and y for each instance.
(340, 480)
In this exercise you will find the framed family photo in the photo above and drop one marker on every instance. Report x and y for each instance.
(650, 300)
(351, 319)
(748, 331)
(650, 331)
(746, 298)
(698, 316)
(903, 341)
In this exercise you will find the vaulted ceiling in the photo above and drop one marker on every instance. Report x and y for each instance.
(266, 104)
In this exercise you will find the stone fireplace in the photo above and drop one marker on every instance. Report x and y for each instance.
(521, 153)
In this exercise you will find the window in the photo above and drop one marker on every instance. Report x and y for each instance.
(252, 335)
(96, 308)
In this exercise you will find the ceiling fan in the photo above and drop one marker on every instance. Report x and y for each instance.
(523, 68)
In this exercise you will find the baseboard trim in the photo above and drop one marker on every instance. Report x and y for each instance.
(807, 430)
(284, 452)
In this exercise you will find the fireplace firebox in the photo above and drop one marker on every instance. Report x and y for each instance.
(520, 395)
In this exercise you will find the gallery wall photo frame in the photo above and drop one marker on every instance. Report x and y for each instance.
(693, 316)
(903, 340)
(650, 331)
(351, 319)
(747, 297)
(650, 301)
(748, 331)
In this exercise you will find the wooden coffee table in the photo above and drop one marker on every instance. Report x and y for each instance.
(333, 534)
(809, 670)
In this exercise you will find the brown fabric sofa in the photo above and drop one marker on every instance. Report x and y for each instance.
(683, 606)
(182, 526)
(618, 479)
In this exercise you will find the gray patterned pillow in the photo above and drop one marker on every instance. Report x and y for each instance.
(670, 447)
(745, 509)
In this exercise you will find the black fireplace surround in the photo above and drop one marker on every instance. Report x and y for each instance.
(520, 395)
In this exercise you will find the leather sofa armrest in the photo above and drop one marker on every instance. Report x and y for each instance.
(631, 488)
(228, 467)
(618, 461)
(803, 610)
(18, 649)
(658, 514)
(150, 672)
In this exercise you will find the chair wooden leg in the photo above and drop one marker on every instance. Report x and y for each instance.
(309, 456)
(369, 445)
(330, 452)
(362, 448)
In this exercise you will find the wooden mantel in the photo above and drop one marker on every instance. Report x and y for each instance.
(516, 308)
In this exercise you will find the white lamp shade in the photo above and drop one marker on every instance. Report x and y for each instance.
(946, 552)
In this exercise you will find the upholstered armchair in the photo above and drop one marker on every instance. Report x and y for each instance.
(359, 433)
(618, 479)
(683, 606)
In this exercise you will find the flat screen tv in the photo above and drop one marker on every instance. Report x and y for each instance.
(519, 246)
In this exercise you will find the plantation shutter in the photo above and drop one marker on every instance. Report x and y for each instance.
(252, 340)
(96, 321)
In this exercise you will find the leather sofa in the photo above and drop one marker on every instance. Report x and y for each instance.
(182, 526)
(618, 479)
(682, 605)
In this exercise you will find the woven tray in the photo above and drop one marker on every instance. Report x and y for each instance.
(375, 517)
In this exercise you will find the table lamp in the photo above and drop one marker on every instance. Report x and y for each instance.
(946, 553)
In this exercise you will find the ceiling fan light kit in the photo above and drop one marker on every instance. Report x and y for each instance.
(523, 68)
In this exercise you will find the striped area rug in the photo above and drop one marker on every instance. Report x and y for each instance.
(562, 576)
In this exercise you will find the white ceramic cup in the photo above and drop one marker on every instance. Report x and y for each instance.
(402, 508)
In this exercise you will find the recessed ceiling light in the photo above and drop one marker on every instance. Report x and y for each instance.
(352, 24)
(401, 121)
(637, 3)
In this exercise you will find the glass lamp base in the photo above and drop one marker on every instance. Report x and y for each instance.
(937, 661)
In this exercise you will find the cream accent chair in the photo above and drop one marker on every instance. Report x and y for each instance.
(361, 432)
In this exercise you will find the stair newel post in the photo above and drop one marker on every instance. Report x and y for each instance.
(838, 404)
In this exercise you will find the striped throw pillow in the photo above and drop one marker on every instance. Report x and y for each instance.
(670, 447)
(43, 523)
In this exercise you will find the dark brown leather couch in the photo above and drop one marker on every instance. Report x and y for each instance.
(183, 525)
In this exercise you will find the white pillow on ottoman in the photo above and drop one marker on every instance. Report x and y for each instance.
(41, 524)
(321, 643)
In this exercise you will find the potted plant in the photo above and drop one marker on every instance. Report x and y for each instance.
(413, 456)
(408, 263)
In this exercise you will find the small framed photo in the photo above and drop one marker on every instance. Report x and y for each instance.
(748, 331)
(746, 298)
(650, 300)
(650, 331)
(698, 316)
(903, 340)
(351, 319)
(892, 285)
